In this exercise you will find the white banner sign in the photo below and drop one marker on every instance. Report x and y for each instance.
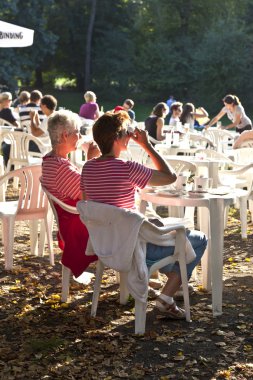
(15, 36)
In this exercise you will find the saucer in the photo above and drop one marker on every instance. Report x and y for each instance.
(220, 191)
(168, 193)
(196, 194)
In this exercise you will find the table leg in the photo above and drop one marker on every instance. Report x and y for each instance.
(213, 173)
(216, 254)
(243, 216)
(203, 214)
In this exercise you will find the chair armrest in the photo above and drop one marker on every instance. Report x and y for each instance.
(241, 170)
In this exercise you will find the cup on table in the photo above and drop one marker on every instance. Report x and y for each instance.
(202, 183)
(181, 181)
(176, 138)
(168, 138)
(218, 124)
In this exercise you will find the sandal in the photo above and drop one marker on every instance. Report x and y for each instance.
(172, 311)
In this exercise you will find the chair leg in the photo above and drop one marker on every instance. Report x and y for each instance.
(65, 283)
(243, 217)
(140, 317)
(47, 229)
(124, 293)
(117, 277)
(184, 280)
(33, 224)
(97, 286)
(42, 239)
(8, 237)
(226, 216)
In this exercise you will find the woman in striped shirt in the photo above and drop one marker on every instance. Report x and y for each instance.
(62, 179)
(108, 179)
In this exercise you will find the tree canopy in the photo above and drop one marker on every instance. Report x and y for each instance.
(197, 50)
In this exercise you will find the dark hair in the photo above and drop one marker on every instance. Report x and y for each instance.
(159, 108)
(107, 129)
(49, 101)
(231, 99)
(36, 95)
(175, 106)
(129, 102)
(188, 109)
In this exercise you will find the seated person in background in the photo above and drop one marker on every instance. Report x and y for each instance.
(6, 112)
(190, 115)
(246, 136)
(62, 179)
(155, 122)
(128, 107)
(235, 112)
(23, 100)
(108, 179)
(48, 105)
(89, 110)
(33, 105)
(176, 110)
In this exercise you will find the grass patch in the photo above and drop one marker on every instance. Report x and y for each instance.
(36, 346)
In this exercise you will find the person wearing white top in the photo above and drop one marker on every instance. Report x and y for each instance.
(176, 109)
(48, 105)
(235, 112)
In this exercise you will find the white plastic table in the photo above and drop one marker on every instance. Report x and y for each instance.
(212, 224)
(210, 164)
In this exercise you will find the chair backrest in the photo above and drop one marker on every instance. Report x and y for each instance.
(181, 165)
(53, 200)
(214, 154)
(19, 152)
(201, 140)
(219, 137)
(243, 155)
(32, 199)
(5, 122)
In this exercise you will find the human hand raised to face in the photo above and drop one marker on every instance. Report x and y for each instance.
(91, 149)
(140, 136)
(34, 116)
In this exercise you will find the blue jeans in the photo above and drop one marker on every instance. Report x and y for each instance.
(155, 253)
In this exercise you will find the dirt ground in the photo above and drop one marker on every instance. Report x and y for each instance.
(41, 338)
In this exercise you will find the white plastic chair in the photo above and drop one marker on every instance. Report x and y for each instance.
(200, 140)
(243, 156)
(5, 123)
(140, 307)
(31, 205)
(220, 138)
(66, 272)
(19, 152)
(247, 173)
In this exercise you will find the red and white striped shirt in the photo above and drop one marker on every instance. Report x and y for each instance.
(113, 181)
(61, 178)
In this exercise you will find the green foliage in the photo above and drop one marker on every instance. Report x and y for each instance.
(198, 50)
(221, 67)
(19, 63)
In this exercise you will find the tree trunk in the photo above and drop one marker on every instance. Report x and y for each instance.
(38, 78)
(185, 10)
(88, 45)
